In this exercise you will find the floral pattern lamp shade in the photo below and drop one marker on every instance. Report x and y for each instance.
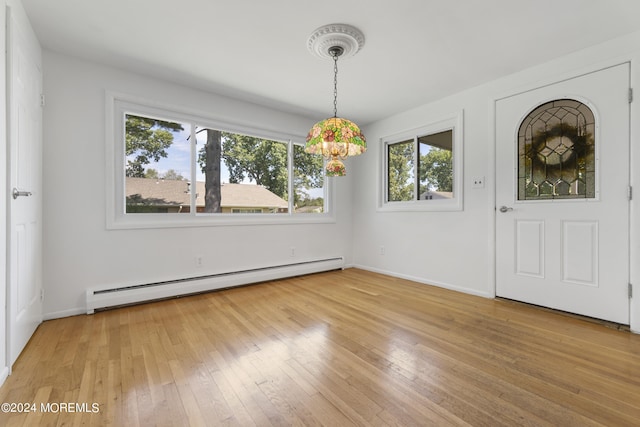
(335, 138)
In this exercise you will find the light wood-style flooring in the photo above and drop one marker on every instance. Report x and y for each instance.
(336, 349)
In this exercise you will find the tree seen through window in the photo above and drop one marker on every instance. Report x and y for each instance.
(223, 158)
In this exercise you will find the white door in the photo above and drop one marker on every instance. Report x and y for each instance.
(562, 195)
(24, 121)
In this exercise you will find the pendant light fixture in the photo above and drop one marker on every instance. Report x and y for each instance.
(335, 138)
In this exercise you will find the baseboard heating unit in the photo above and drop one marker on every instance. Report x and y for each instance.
(125, 295)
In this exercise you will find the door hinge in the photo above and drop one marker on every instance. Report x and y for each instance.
(41, 294)
(630, 193)
(630, 290)
(42, 99)
(630, 95)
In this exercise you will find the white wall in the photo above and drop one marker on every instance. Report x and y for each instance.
(80, 253)
(456, 249)
(441, 248)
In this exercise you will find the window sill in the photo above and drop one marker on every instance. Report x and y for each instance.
(422, 206)
(147, 221)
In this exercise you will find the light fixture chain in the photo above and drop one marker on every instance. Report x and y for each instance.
(335, 85)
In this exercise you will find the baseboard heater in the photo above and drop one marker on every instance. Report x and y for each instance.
(126, 295)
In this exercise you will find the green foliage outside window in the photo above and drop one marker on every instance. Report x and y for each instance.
(400, 171)
(146, 141)
(436, 171)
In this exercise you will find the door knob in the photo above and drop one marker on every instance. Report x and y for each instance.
(17, 193)
(504, 209)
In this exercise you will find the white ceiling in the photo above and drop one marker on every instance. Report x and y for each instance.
(415, 51)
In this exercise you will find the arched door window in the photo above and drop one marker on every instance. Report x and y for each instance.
(556, 152)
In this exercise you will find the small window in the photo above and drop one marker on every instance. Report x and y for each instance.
(435, 166)
(423, 168)
(157, 165)
(308, 181)
(400, 182)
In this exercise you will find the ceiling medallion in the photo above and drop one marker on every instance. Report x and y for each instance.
(349, 38)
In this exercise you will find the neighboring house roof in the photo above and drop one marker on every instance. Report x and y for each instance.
(247, 195)
(434, 195)
(161, 192)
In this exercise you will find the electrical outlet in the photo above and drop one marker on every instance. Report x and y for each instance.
(382, 250)
(293, 251)
(198, 260)
(478, 182)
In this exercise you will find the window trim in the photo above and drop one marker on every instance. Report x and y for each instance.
(452, 122)
(118, 104)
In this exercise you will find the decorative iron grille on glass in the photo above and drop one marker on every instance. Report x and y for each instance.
(335, 138)
(556, 152)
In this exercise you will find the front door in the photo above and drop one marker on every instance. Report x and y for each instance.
(562, 195)
(25, 168)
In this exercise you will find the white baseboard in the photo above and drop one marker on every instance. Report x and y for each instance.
(64, 313)
(4, 374)
(425, 281)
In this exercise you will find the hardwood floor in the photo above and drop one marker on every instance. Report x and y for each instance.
(340, 348)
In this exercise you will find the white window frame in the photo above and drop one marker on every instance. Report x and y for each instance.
(453, 122)
(119, 104)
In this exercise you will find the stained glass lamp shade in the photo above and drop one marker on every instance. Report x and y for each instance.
(335, 138)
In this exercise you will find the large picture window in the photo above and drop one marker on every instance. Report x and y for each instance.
(423, 168)
(173, 169)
